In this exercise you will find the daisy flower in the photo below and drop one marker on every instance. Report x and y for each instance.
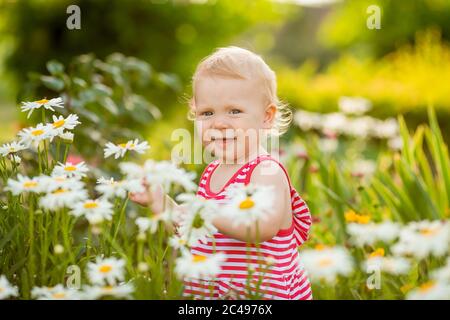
(148, 224)
(123, 291)
(385, 129)
(57, 292)
(11, 148)
(66, 136)
(164, 173)
(106, 271)
(119, 150)
(60, 123)
(95, 211)
(132, 170)
(359, 127)
(391, 265)
(196, 222)
(363, 168)
(55, 182)
(6, 289)
(196, 266)
(308, 120)
(167, 173)
(370, 233)
(47, 104)
(139, 147)
(177, 242)
(34, 135)
(430, 291)
(247, 204)
(423, 238)
(325, 263)
(62, 198)
(70, 170)
(24, 184)
(354, 105)
(111, 188)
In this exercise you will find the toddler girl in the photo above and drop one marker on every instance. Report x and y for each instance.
(234, 100)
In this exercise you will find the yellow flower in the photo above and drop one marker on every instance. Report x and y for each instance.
(351, 216)
(405, 288)
(379, 252)
(319, 246)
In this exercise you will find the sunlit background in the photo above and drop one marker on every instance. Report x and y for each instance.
(321, 51)
(371, 108)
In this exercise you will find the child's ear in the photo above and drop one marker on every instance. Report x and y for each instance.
(269, 115)
(191, 112)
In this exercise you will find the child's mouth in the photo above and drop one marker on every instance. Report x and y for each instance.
(223, 141)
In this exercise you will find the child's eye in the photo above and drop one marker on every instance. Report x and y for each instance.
(206, 113)
(235, 111)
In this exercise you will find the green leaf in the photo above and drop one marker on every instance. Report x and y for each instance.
(52, 83)
(8, 237)
(440, 152)
(102, 90)
(55, 67)
(170, 80)
(109, 105)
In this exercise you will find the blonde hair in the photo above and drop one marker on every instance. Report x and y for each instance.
(240, 63)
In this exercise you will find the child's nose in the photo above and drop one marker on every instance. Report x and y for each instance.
(221, 123)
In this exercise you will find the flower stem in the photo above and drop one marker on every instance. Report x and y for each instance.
(31, 238)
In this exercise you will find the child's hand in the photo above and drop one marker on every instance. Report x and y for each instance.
(153, 196)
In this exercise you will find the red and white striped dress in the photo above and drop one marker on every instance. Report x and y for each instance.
(282, 278)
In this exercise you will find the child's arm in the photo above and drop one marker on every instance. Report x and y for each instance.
(268, 228)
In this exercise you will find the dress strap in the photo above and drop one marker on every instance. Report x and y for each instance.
(252, 165)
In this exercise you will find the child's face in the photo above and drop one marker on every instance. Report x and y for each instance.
(230, 113)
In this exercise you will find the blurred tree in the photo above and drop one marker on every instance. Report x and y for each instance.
(346, 25)
(171, 35)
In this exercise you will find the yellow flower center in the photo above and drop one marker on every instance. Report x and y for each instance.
(246, 204)
(90, 205)
(37, 132)
(70, 168)
(324, 262)
(428, 231)
(123, 145)
(427, 286)
(107, 288)
(319, 246)
(105, 269)
(30, 184)
(59, 191)
(350, 216)
(377, 253)
(364, 219)
(197, 258)
(59, 123)
(43, 101)
(59, 295)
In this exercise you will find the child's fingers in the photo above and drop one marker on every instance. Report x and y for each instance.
(140, 198)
